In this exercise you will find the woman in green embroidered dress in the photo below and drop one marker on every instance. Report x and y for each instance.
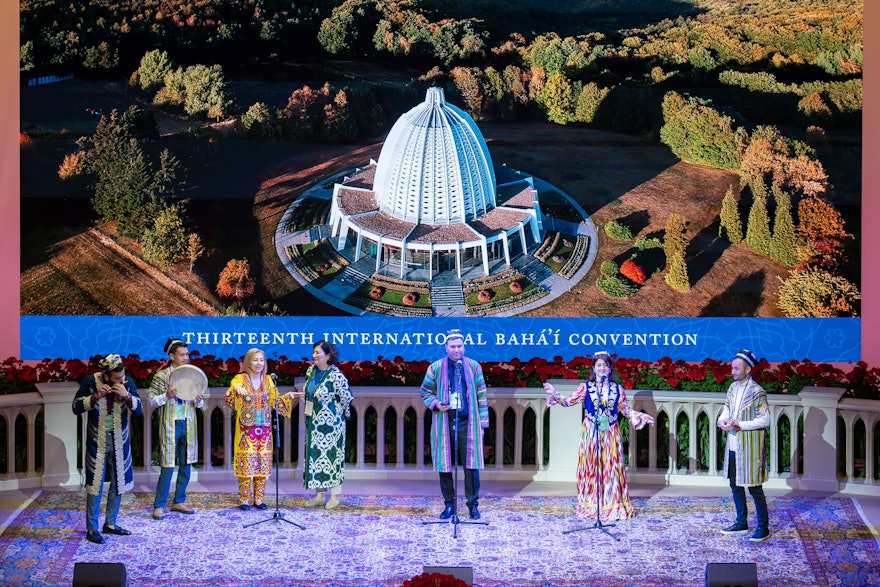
(326, 407)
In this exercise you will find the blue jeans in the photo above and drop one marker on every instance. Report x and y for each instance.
(739, 498)
(93, 502)
(183, 470)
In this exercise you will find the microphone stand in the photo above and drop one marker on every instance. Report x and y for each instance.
(598, 525)
(454, 519)
(277, 516)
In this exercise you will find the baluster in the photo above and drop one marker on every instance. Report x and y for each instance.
(849, 431)
(869, 451)
(420, 437)
(206, 448)
(31, 442)
(692, 438)
(380, 435)
(519, 415)
(400, 412)
(499, 434)
(361, 437)
(539, 407)
(228, 439)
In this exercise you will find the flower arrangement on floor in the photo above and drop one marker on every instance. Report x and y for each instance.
(434, 580)
(860, 381)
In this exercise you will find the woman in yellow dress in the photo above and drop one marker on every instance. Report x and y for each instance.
(253, 396)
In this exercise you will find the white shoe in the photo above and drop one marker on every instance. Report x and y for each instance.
(316, 501)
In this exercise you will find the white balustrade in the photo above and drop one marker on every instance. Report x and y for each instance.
(818, 409)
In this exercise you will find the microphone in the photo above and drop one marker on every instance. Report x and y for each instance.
(274, 377)
(455, 397)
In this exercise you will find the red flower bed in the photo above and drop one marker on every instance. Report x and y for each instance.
(862, 381)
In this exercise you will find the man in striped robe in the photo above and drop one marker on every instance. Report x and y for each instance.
(178, 432)
(745, 418)
(455, 391)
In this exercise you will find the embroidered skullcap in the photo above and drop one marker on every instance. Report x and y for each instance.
(604, 355)
(171, 345)
(748, 357)
(110, 363)
(453, 334)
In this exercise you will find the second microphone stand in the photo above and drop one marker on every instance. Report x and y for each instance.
(599, 489)
(454, 519)
(277, 515)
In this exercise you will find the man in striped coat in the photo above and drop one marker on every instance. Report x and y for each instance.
(455, 391)
(178, 432)
(745, 418)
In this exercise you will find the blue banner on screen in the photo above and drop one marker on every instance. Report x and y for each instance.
(487, 339)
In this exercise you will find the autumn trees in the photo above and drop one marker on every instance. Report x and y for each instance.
(140, 192)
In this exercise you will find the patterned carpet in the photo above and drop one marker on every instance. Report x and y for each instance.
(381, 541)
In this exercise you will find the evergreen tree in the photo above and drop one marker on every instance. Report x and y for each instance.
(167, 181)
(206, 91)
(783, 244)
(731, 224)
(675, 241)
(677, 276)
(194, 249)
(122, 175)
(758, 231)
(675, 246)
(154, 66)
(260, 122)
(165, 241)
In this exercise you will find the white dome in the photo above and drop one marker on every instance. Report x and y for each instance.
(434, 167)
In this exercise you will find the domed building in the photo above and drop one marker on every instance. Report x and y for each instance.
(431, 204)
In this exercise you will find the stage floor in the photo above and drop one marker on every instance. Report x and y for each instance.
(379, 531)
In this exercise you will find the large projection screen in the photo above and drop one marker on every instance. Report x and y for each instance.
(493, 338)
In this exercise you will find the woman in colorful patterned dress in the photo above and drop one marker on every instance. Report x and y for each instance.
(253, 396)
(327, 407)
(601, 470)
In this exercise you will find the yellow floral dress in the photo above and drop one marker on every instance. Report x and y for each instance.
(253, 424)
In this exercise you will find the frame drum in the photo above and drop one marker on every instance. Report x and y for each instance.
(189, 381)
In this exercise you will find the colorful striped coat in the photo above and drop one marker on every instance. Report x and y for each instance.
(435, 391)
(167, 445)
(751, 459)
(96, 438)
(601, 478)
